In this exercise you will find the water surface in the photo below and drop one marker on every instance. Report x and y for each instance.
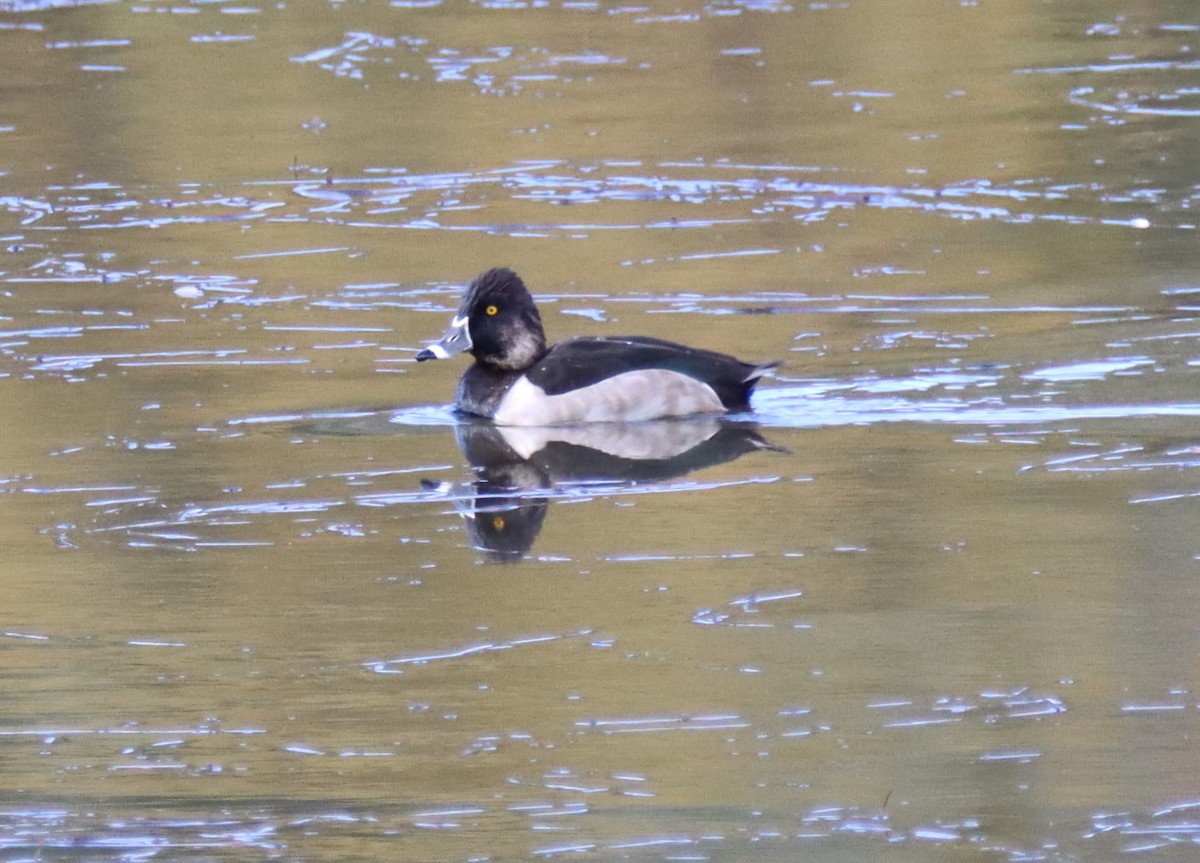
(265, 596)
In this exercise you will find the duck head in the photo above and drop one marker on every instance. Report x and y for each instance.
(497, 322)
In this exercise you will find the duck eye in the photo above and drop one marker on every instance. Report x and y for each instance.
(498, 520)
(492, 311)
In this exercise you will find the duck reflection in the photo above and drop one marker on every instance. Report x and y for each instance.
(520, 468)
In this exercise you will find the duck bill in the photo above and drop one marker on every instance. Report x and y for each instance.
(456, 340)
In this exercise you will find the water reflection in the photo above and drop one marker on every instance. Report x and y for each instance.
(514, 476)
(520, 468)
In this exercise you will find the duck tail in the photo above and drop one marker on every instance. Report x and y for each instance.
(740, 398)
(756, 372)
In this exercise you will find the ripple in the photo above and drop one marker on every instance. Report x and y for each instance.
(810, 407)
(1179, 102)
(490, 70)
(578, 201)
(1092, 370)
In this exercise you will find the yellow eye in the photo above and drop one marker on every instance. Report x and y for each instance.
(498, 520)
(492, 311)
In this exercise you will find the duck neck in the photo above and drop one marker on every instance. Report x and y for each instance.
(521, 350)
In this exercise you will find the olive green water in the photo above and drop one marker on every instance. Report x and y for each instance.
(262, 598)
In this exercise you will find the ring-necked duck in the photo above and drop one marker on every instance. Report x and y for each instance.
(517, 380)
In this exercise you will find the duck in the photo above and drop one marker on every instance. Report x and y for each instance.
(517, 380)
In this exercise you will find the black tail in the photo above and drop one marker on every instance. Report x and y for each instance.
(754, 374)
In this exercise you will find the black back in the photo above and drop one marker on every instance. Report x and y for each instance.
(585, 361)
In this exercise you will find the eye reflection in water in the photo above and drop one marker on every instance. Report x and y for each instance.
(519, 469)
